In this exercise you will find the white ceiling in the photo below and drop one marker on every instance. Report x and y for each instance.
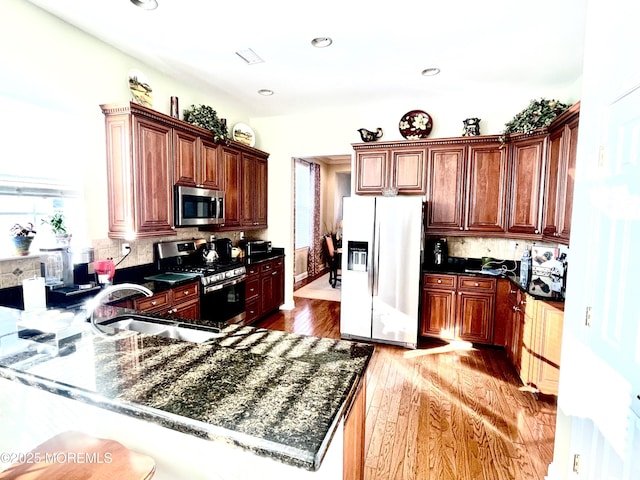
(379, 47)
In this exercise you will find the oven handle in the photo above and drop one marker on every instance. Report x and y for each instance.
(219, 286)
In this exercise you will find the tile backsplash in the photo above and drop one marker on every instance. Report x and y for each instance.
(498, 248)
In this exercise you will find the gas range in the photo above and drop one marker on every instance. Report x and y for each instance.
(187, 256)
(212, 273)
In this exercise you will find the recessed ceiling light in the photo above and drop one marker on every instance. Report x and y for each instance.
(146, 4)
(430, 72)
(321, 42)
(265, 92)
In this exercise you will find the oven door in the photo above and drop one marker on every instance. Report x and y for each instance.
(224, 302)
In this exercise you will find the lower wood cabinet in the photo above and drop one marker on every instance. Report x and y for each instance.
(354, 436)
(458, 307)
(533, 338)
(264, 288)
(182, 302)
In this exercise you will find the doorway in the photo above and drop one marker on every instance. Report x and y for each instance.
(319, 184)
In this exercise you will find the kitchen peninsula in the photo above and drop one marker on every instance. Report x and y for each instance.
(249, 403)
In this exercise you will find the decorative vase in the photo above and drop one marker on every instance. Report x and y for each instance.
(63, 239)
(22, 245)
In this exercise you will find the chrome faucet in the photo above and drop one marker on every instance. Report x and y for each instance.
(96, 301)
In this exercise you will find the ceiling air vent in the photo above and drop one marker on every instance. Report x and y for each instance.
(249, 56)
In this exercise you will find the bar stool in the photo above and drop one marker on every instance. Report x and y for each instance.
(75, 455)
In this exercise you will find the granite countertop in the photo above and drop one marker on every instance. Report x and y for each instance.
(510, 271)
(273, 393)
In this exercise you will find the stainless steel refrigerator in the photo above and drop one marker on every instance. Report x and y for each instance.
(381, 258)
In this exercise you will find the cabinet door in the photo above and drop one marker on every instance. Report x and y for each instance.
(371, 171)
(189, 310)
(438, 309)
(153, 201)
(232, 186)
(185, 158)
(486, 193)
(445, 173)
(566, 200)
(474, 316)
(552, 184)
(408, 172)
(527, 157)
(211, 166)
(260, 192)
(547, 347)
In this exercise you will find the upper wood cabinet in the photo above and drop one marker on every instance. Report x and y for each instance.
(196, 162)
(560, 176)
(139, 172)
(148, 152)
(467, 187)
(526, 162)
(254, 191)
(389, 167)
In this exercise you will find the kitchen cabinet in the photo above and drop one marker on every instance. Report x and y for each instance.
(196, 162)
(264, 288)
(232, 167)
(254, 191)
(246, 188)
(458, 307)
(139, 172)
(467, 188)
(182, 301)
(354, 435)
(392, 167)
(560, 176)
(526, 162)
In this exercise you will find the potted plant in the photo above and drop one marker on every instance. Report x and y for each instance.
(204, 116)
(58, 228)
(540, 113)
(22, 238)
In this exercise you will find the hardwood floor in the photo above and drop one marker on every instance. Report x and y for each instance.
(438, 412)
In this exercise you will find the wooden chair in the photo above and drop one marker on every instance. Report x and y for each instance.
(334, 259)
(75, 455)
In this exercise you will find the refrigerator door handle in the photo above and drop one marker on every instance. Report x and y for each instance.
(376, 254)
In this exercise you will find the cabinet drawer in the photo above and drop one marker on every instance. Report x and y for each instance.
(253, 270)
(432, 280)
(252, 288)
(252, 311)
(266, 267)
(477, 284)
(159, 300)
(186, 292)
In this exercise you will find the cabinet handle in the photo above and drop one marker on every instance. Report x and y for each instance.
(476, 284)
(522, 302)
(154, 303)
(461, 228)
(439, 281)
(512, 291)
(274, 273)
(459, 293)
(537, 231)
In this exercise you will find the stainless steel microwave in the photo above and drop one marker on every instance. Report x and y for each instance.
(195, 206)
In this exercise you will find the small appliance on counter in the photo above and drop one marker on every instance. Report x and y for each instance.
(547, 271)
(69, 274)
(436, 253)
(255, 248)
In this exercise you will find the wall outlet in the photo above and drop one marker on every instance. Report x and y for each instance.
(126, 248)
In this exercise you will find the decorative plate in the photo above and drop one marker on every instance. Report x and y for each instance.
(140, 89)
(242, 133)
(415, 125)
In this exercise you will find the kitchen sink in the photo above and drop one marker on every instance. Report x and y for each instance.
(161, 328)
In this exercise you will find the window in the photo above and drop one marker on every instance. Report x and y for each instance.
(40, 170)
(303, 204)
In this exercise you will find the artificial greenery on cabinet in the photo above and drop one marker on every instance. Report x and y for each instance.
(204, 116)
(540, 113)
